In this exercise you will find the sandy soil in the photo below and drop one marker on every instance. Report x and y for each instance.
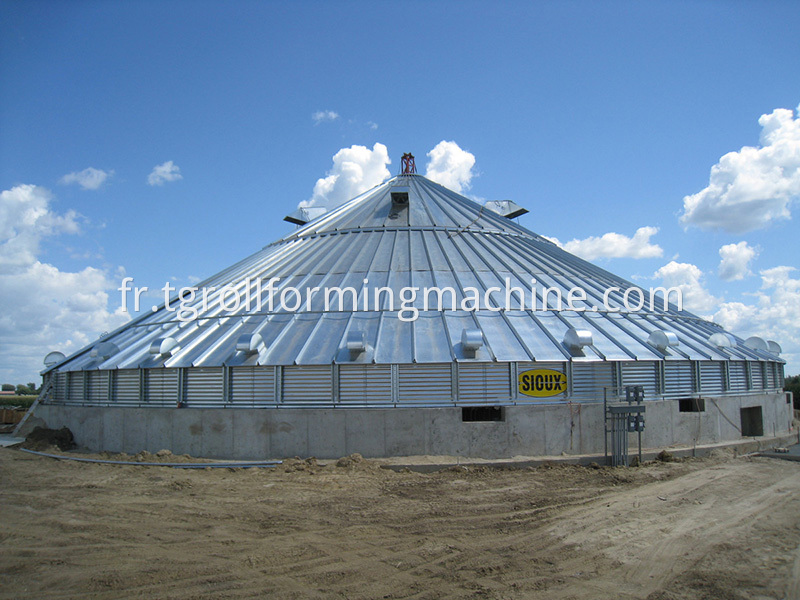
(713, 528)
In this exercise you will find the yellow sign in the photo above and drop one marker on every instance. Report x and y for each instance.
(542, 383)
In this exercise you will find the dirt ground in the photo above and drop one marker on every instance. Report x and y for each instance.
(712, 528)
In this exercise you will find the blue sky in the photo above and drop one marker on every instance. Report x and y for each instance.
(600, 118)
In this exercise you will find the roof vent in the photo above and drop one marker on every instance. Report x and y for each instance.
(250, 343)
(53, 358)
(471, 342)
(407, 165)
(756, 343)
(164, 346)
(774, 347)
(305, 214)
(399, 197)
(576, 339)
(356, 342)
(722, 340)
(506, 208)
(663, 339)
(104, 350)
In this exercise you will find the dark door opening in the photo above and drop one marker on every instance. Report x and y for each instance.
(752, 421)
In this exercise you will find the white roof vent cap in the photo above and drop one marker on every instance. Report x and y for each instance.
(722, 340)
(53, 358)
(756, 343)
(662, 339)
(774, 347)
(164, 346)
(104, 350)
(356, 341)
(471, 340)
(250, 343)
(575, 339)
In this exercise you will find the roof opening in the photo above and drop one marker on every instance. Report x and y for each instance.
(400, 197)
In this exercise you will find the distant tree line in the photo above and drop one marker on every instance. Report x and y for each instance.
(792, 384)
(21, 389)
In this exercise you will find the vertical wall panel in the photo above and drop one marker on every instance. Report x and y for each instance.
(483, 381)
(203, 385)
(126, 386)
(737, 371)
(75, 391)
(97, 386)
(590, 379)
(678, 379)
(425, 382)
(365, 383)
(756, 375)
(162, 386)
(640, 373)
(303, 384)
(712, 377)
(252, 385)
(60, 386)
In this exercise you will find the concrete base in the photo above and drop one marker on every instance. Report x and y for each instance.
(527, 430)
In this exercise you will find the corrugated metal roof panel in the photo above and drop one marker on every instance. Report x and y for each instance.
(441, 239)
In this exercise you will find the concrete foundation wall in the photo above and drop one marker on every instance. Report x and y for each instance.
(528, 430)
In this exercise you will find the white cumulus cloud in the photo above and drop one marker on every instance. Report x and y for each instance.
(88, 179)
(44, 308)
(735, 263)
(752, 188)
(324, 115)
(690, 280)
(614, 245)
(773, 315)
(355, 170)
(164, 172)
(450, 166)
(25, 218)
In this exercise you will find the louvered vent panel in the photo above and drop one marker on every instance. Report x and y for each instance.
(483, 381)
(365, 384)
(425, 383)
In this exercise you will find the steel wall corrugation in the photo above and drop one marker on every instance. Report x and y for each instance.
(483, 381)
(771, 379)
(162, 386)
(60, 385)
(589, 379)
(712, 377)
(252, 386)
(678, 379)
(642, 373)
(361, 384)
(75, 387)
(203, 386)
(97, 386)
(756, 375)
(425, 382)
(126, 386)
(307, 384)
(737, 375)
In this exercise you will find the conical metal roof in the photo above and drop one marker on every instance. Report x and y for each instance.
(408, 232)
